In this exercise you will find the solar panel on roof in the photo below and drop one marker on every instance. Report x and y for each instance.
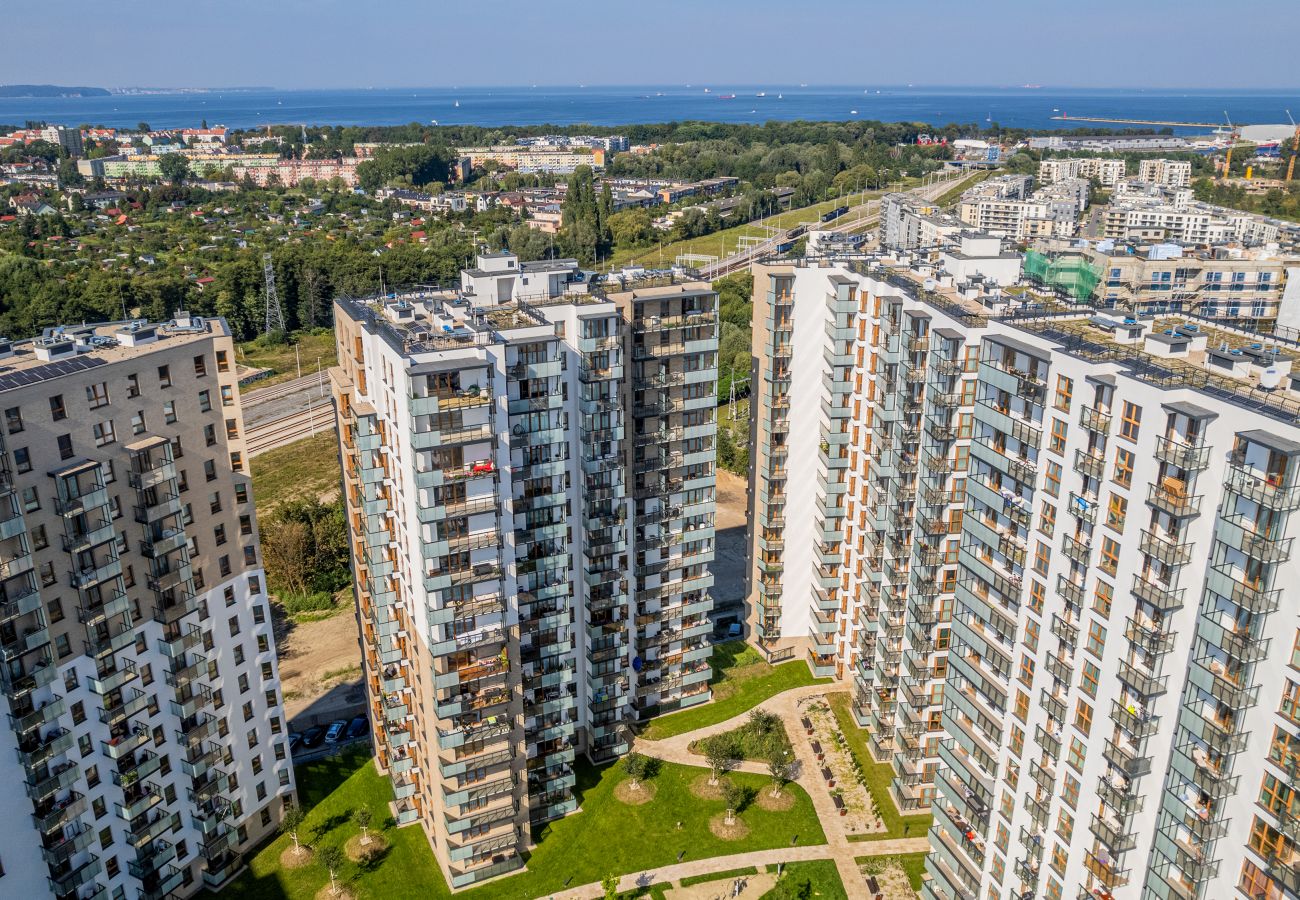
(37, 374)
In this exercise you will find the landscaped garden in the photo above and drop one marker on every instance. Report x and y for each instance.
(741, 680)
(616, 832)
(878, 776)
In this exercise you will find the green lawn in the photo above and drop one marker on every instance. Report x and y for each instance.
(912, 863)
(752, 740)
(741, 680)
(282, 359)
(820, 874)
(308, 468)
(717, 876)
(879, 776)
(951, 195)
(606, 837)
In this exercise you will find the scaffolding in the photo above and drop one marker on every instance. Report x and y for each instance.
(1069, 273)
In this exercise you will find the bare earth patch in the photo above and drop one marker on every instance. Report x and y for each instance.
(341, 894)
(295, 858)
(359, 852)
(736, 831)
(643, 793)
(778, 803)
(320, 667)
(701, 788)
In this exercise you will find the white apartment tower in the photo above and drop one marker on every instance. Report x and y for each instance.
(146, 746)
(1051, 554)
(529, 477)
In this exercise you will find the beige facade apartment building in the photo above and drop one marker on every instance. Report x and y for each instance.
(529, 482)
(146, 747)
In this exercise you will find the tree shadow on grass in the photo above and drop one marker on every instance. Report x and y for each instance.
(325, 826)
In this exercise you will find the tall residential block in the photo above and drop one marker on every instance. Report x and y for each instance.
(529, 477)
(1058, 564)
(145, 748)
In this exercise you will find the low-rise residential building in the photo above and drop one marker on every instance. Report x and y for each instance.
(1174, 173)
(909, 223)
(1107, 171)
(523, 158)
(1156, 218)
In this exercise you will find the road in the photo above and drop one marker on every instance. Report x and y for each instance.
(858, 217)
(287, 412)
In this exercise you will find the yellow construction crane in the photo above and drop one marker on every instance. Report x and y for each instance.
(1295, 147)
(1233, 135)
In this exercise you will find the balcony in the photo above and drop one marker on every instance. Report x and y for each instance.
(1266, 490)
(1126, 759)
(1170, 550)
(1171, 497)
(1191, 457)
(1091, 464)
(1095, 420)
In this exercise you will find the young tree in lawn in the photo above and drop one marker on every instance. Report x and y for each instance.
(290, 822)
(362, 816)
(635, 765)
(332, 858)
(777, 754)
(720, 755)
(734, 795)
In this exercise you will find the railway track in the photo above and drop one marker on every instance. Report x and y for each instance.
(282, 390)
(286, 429)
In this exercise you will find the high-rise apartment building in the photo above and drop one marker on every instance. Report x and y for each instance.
(145, 746)
(1050, 555)
(529, 478)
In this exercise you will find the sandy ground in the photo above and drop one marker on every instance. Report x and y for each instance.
(755, 886)
(320, 670)
(729, 557)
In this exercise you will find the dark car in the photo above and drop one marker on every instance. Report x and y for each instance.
(295, 741)
(335, 732)
(358, 727)
(313, 737)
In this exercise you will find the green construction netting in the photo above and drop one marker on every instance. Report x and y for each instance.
(1071, 274)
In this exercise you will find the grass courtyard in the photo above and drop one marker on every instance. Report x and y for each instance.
(606, 836)
(305, 469)
(741, 680)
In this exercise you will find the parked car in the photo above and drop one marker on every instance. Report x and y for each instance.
(295, 741)
(313, 737)
(335, 731)
(358, 727)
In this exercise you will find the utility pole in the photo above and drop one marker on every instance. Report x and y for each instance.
(274, 314)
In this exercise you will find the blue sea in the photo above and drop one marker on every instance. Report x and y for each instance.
(1017, 107)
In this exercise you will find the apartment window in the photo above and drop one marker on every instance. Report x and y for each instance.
(227, 395)
(1037, 594)
(97, 394)
(57, 411)
(200, 366)
(1078, 751)
(39, 538)
(1070, 790)
(164, 376)
(232, 430)
(1083, 717)
(223, 566)
(241, 493)
(1027, 666)
(132, 385)
(1109, 562)
(1047, 519)
(245, 525)
(1124, 467)
(13, 420)
(1042, 557)
(104, 433)
(250, 556)
(1117, 512)
(1052, 480)
(137, 422)
(22, 459)
(1022, 706)
(1091, 675)
(1295, 651)
(1064, 392)
(254, 584)
(209, 435)
(1017, 740)
(1276, 796)
(31, 499)
(1065, 825)
(1130, 422)
(1096, 643)
(169, 412)
(1256, 884)
(219, 534)
(1057, 442)
(205, 401)
(223, 363)
(1290, 708)
(1032, 631)
(1285, 748)
(214, 502)
(1103, 597)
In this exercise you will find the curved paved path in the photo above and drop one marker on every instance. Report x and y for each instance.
(838, 847)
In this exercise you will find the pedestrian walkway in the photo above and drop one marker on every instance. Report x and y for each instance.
(838, 847)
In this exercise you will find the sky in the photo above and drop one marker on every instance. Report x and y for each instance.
(435, 43)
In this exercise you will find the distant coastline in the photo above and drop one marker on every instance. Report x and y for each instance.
(44, 91)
